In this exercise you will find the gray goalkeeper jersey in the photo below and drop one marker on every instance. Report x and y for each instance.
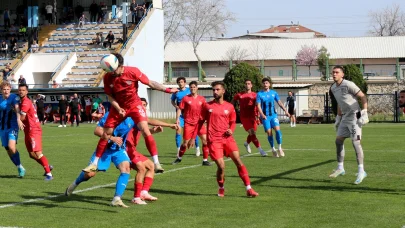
(345, 95)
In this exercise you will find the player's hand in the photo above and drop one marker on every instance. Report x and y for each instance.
(228, 132)
(363, 120)
(122, 112)
(337, 122)
(174, 126)
(287, 114)
(157, 129)
(117, 140)
(264, 117)
(20, 124)
(178, 122)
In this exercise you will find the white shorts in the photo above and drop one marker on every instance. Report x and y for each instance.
(348, 127)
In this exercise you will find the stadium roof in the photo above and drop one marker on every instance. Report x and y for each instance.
(286, 49)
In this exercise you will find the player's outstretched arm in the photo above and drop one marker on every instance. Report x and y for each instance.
(154, 122)
(157, 86)
(282, 107)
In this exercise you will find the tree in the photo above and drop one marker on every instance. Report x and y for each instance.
(387, 22)
(236, 53)
(323, 58)
(307, 56)
(204, 19)
(235, 78)
(352, 73)
(174, 13)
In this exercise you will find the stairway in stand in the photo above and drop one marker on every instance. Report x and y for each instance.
(45, 33)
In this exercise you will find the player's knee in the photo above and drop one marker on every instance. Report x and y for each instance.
(7, 148)
(140, 167)
(339, 141)
(355, 142)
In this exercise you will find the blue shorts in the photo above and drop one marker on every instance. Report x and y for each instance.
(270, 122)
(114, 156)
(10, 134)
(181, 120)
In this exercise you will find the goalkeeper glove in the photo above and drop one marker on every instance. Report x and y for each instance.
(363, 120)
(337, 122)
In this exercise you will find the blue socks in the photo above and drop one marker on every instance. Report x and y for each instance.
(121, 184)
(178, 140)
(80, 178)
(279, 137)
(271, 141)
(197, 142)
(15, 158)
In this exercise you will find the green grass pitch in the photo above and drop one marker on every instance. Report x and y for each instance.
(295, 191)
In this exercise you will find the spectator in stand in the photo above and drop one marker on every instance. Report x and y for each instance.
(93, 11)
(49, 12)
(140, 11)
(13, 31)
(132, 8)
(55, 84)
(22, 31)
(96, 40)
(70, 16)
(63, 110)
(6, 73)
(39, 103)
(15, 51)
(4, 48)
(74, 106)
(13, 42)
(109, 39)
(79, 10)
(98, 114)
(43, 12)
(6, 16)
(34, 46)
(82, 21)
(13, 81)
(102, 8)
(87, 108)
(21, 80)
(48, 111)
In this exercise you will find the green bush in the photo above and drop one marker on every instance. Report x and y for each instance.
(235, 78)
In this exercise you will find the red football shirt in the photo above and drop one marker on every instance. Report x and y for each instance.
(247, 104)
(124, 88)
(220, 118)
(191, 107)
(31, 121)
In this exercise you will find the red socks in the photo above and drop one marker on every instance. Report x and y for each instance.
(151, 145)
(244, 175)
(147, 182)
(255, 141)
(221, 183)
(44, 163)
(206, 151)
(137, 190)
(182, 151)
(101, 146)
(248, 139)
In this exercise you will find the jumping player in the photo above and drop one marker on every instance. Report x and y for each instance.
(190, 108)
(33, 131)
(176, 100)
(248, 115)
(221, 122)
(349, 121)
(265, 102)
(10, 121)
(121, 87)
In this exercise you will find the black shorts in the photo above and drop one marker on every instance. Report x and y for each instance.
(291, 111)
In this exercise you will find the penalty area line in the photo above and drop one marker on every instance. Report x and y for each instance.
(102, 186)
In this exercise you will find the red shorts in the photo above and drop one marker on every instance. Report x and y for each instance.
(88, 110)
(249, 123)
(33, 141)
(136, 157)
(189, 131)
(219, 149)
(137, 113)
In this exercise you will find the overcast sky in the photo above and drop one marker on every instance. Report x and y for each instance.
(334, 18)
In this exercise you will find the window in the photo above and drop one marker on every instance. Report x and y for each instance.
(180, 72)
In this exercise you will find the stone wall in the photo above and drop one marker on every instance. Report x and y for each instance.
(381, 104)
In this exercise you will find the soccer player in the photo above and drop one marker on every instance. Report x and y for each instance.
(32, 131)
(10, 122)
(190, 108)
(176, 100)
(248, 115)
(290, 103)
(221, 122)
(349, 121)
(265, 102)
(121, 87)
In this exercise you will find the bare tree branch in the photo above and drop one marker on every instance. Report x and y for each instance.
(387, 22)
(236, 53)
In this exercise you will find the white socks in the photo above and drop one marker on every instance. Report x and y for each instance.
(340, 166)
(361, 168)
(155, 159)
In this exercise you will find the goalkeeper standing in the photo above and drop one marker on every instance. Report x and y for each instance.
(349, 121)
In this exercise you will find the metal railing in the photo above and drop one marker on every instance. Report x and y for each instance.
(59, 66)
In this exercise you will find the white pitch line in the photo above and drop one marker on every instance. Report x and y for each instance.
(101, 186)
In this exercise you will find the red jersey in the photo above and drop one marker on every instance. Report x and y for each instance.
(220, 118)
(191, 107)
(247, 104)
(31, 121)
(124, 88)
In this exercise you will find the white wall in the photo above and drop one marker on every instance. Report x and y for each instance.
(147, 51)
(39, 63)
(67, 68)
(301, 101)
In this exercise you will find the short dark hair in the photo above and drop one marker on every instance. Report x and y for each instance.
(120, 59)
(339, 67)
(193, 83)
(144, 99)
(402, 91)
(267, 80)
(248, 80)
(218, 83)
(180, 78)
(23, 85)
